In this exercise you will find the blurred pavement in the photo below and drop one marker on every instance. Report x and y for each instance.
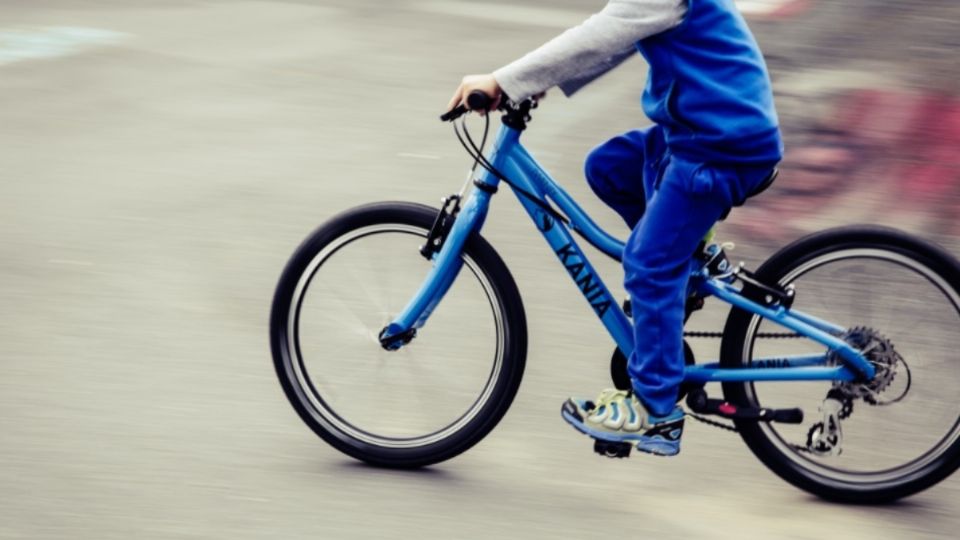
(161, 160)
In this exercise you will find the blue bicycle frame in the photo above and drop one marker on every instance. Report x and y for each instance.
(518, 165)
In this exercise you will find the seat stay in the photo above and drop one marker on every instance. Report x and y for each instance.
(827, 334)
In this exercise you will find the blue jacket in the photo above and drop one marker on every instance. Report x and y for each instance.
(709, 88)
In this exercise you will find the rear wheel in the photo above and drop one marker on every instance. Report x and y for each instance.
(438, 395)
(903, 434)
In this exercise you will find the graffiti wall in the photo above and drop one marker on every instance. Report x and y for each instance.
(869, 101)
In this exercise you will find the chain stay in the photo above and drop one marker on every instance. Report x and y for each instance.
(760, 335)
(846, 394)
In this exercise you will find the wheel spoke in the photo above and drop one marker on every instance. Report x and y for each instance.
(341, 311)
(897, 295)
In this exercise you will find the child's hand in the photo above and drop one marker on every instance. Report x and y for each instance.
(485, 83)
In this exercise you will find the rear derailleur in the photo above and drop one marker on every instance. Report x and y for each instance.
(825, 438)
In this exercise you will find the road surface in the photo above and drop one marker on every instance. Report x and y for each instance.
(161, 160)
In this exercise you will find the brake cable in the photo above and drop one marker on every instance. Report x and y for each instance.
(479, 159)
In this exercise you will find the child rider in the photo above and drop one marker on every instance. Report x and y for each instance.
(715, 138)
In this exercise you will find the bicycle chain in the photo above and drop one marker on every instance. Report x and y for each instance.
(713, 423)
(766, 335)
(844, 413)
(727, 427)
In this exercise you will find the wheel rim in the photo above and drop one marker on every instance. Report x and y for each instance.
(382, 413)
(853, 472)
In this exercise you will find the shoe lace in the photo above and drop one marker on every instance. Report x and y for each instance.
(611, 396)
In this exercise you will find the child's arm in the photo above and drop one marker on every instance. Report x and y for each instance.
(581, 54)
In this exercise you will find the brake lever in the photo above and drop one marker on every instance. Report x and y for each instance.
(459, 111)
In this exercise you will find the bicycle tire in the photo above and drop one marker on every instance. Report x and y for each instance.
(737, 346)
(505, 300)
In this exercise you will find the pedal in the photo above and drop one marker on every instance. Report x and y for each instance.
(698, 402)
(612, 449)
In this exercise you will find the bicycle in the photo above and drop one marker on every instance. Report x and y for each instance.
(401, 259)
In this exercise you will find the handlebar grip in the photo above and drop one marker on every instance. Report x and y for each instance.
(478, 101)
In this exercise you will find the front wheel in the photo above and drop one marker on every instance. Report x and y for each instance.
(438, 395)
(901, 433)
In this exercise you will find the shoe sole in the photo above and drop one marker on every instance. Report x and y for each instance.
(647, 445)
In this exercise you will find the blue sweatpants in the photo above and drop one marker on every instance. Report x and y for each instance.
(669, 203)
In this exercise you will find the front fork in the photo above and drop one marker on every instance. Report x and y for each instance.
(444, 247)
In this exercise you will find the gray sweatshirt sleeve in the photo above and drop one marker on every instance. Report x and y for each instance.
(585, 52)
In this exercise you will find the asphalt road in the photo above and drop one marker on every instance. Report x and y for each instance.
(159, 163)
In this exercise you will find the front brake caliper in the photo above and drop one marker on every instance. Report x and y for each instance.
(441, 226)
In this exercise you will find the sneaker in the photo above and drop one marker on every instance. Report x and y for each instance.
(618, 416)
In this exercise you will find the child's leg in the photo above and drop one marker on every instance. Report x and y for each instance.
(688, 200)
(616, 170)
